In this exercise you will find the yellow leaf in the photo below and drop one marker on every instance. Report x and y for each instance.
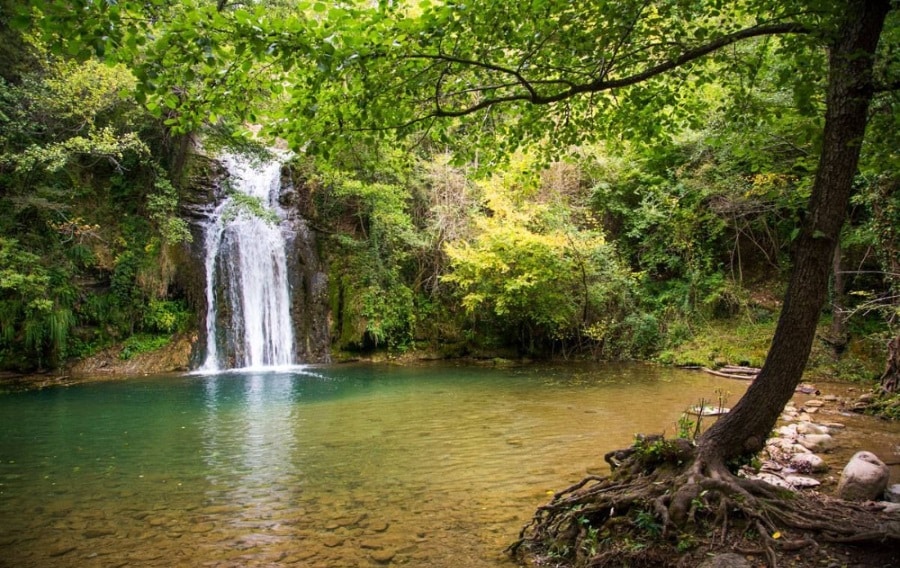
(777, 535)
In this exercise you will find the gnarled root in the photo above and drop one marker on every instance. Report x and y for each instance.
(662, 501)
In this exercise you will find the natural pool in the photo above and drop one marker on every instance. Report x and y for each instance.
(354, 465)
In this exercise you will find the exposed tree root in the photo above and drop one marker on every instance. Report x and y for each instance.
(663, 502)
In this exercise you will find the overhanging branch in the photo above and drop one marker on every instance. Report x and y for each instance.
(601, 83)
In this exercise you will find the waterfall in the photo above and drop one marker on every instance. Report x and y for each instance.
(248, 318)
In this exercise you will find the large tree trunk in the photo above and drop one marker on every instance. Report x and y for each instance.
(745, 429)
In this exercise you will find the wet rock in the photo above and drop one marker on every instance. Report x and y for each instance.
(798, 449)
(808, 463)
(813, 403)
(806, 428)
(727, 560)
(370, 545)
(830, 398)
(61, 549)
(378, 526)
(816, 442)
(301, 556)
(97, 533)
(382, 556)
(892, 493)
(143, 557)
(220, 510)
(789, 431)
(333, 541)
(865, 477)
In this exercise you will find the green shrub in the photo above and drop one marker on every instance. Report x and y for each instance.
(143, 343)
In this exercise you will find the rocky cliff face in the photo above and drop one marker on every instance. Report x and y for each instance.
(204, 191)
(174, 357)
(309, 282)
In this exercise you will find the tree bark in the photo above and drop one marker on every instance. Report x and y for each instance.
(890, 379)
(839, 337)
(744, 430)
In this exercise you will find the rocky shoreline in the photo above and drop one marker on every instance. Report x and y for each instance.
(106, 365)
(812, 427)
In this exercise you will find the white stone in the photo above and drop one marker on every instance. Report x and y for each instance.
(810, 428)
(800, 482)
(792, 482)
(892, 493)
(865, 477)
(783, 443)
(816, 442)
(773, 480)
(808, 463)
(813, 403)
(787, 431)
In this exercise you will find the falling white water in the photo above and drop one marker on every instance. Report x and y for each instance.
(246, 268)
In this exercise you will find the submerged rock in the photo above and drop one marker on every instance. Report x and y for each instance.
(865, 477)
(382, 556)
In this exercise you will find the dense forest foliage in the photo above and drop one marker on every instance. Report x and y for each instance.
(88, 211)
(628, 243)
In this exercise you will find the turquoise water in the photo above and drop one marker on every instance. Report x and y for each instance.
(358, 465)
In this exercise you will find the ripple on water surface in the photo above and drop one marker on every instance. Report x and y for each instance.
(334, 466)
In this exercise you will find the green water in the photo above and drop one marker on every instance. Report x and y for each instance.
(336, 466)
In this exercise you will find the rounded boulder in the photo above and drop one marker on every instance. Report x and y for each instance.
(865, 477)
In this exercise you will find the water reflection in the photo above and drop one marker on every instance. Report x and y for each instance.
(335, 466)
(248, 447)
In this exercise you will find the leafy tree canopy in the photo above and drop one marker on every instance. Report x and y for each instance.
(327, 74)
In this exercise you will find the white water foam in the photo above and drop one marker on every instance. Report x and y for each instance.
(246, 264)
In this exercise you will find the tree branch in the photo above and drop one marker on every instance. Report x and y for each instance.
(601, 83)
